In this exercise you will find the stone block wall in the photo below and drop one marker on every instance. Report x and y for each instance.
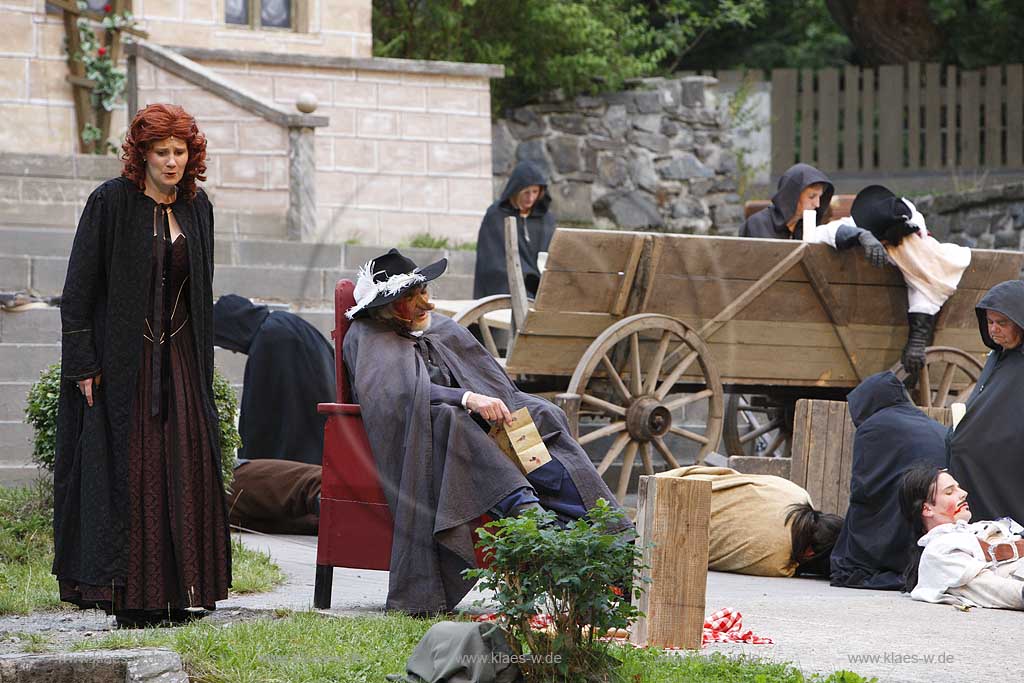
(656, 157)
(406, 152)
(38, 114)
(990, 218)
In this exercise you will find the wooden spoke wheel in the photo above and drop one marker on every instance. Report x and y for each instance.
(757, 425)
(643, 395)
(948, 377)
(495, 340)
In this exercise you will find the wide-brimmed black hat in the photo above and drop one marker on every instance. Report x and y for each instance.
(879, 211)
(385, 279)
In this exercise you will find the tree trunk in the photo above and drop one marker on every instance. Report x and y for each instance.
(887, 32)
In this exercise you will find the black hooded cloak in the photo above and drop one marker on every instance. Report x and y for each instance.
(535, 232)
(439, 470)
(103, 311)
(770, 222)
(289, 371)
(892, 436)
(986, 452)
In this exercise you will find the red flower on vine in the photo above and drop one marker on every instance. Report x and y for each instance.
(102, 51)
(108, 8)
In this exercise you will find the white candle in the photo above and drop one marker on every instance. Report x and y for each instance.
(810, 224)
(958, 410)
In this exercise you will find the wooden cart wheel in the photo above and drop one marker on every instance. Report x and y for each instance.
(948, 377)
(475, 313)
(756, 425)
(641, 398)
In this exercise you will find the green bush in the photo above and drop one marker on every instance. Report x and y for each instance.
(574, 576)
(41, 413)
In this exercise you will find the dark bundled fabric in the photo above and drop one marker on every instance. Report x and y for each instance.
(892, 436)
(986, 452)
(289, 371)
(770, 222)
(439, 470)
(535, 233)
(104, 308)
(276, 496)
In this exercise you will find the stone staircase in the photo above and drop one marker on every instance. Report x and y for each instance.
(296, 276)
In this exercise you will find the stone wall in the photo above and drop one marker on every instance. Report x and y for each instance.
(985, 219)
(657, 157)
(38, 114)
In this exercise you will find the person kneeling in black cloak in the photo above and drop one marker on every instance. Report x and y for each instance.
(289, 371)
(427, 391)
(892, 437)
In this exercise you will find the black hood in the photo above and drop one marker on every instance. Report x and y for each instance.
(1006, 298)
(236, 321)
(883, 390)
(794, 181)
(525, 173)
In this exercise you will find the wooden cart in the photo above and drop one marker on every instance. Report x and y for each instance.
(645, 326)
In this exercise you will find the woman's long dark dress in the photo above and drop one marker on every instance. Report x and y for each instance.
(177, 554)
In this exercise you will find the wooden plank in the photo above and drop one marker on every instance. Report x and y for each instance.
(828, 118)
(890, 118)
(1014, 115)
(952, 118)
(846, 467)
(932, 117)
(598, 251)
(816, 442)
(801, 443)
(867, 120)
(629, 274)
(913, 116)
(646, 273)
(832, 458)
(783, 119)
(836, 312)
(807, 126)
(970, 115)
(514, 266)
(673, 520)
(993, 133)
(851, 119)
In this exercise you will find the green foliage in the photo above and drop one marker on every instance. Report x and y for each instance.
(425, 240)
(980, 32)
(41, 413)
(571, 46)
(569, 575)
(252, 571)
(26, 549)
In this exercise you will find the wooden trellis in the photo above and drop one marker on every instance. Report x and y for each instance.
(81, 87)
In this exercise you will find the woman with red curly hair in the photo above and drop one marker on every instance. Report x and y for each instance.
(140, 525)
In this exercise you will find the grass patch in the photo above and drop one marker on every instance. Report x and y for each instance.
(425, 240)
(26, 554)
(304, 647)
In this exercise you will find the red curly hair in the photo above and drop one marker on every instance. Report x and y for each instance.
(157, 122)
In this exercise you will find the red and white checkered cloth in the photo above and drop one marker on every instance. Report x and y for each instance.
(726, 626)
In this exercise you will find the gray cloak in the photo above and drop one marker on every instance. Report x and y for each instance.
(770, 222)
(439, 470)
(986, 452)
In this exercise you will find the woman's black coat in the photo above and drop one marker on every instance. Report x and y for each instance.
(103, 312)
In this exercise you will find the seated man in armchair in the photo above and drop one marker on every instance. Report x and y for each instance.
(427, 390)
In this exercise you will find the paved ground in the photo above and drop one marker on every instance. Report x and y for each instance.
(815, 626)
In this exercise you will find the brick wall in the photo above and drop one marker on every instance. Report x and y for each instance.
(405, 153)
(38, 115)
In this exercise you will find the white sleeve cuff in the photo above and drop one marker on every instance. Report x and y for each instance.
(465, 397)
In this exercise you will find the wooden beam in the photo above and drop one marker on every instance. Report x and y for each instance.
(673, 517)
(516, 284)
(827, 297)
(639, 243)
(71, 7)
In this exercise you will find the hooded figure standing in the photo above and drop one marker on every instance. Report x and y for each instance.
(427, 391)
(892, 437)
(986, 450)
(525, 196)
(289, 370)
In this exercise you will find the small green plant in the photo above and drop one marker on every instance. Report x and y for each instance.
(575, 578)
(41, 413)
(428, 241)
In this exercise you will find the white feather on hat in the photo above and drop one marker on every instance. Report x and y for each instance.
(367, 290)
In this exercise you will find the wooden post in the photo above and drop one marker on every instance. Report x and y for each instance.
(570, 405)
(514, 268)
(672, 520)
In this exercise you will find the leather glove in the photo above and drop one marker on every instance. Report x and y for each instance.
(874, 252)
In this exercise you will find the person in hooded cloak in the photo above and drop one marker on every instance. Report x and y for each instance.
(892, 437)
(525, 196)
(427, 391)
(289, 370)
(986, 449)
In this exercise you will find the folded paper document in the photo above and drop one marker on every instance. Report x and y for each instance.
(521, 442)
